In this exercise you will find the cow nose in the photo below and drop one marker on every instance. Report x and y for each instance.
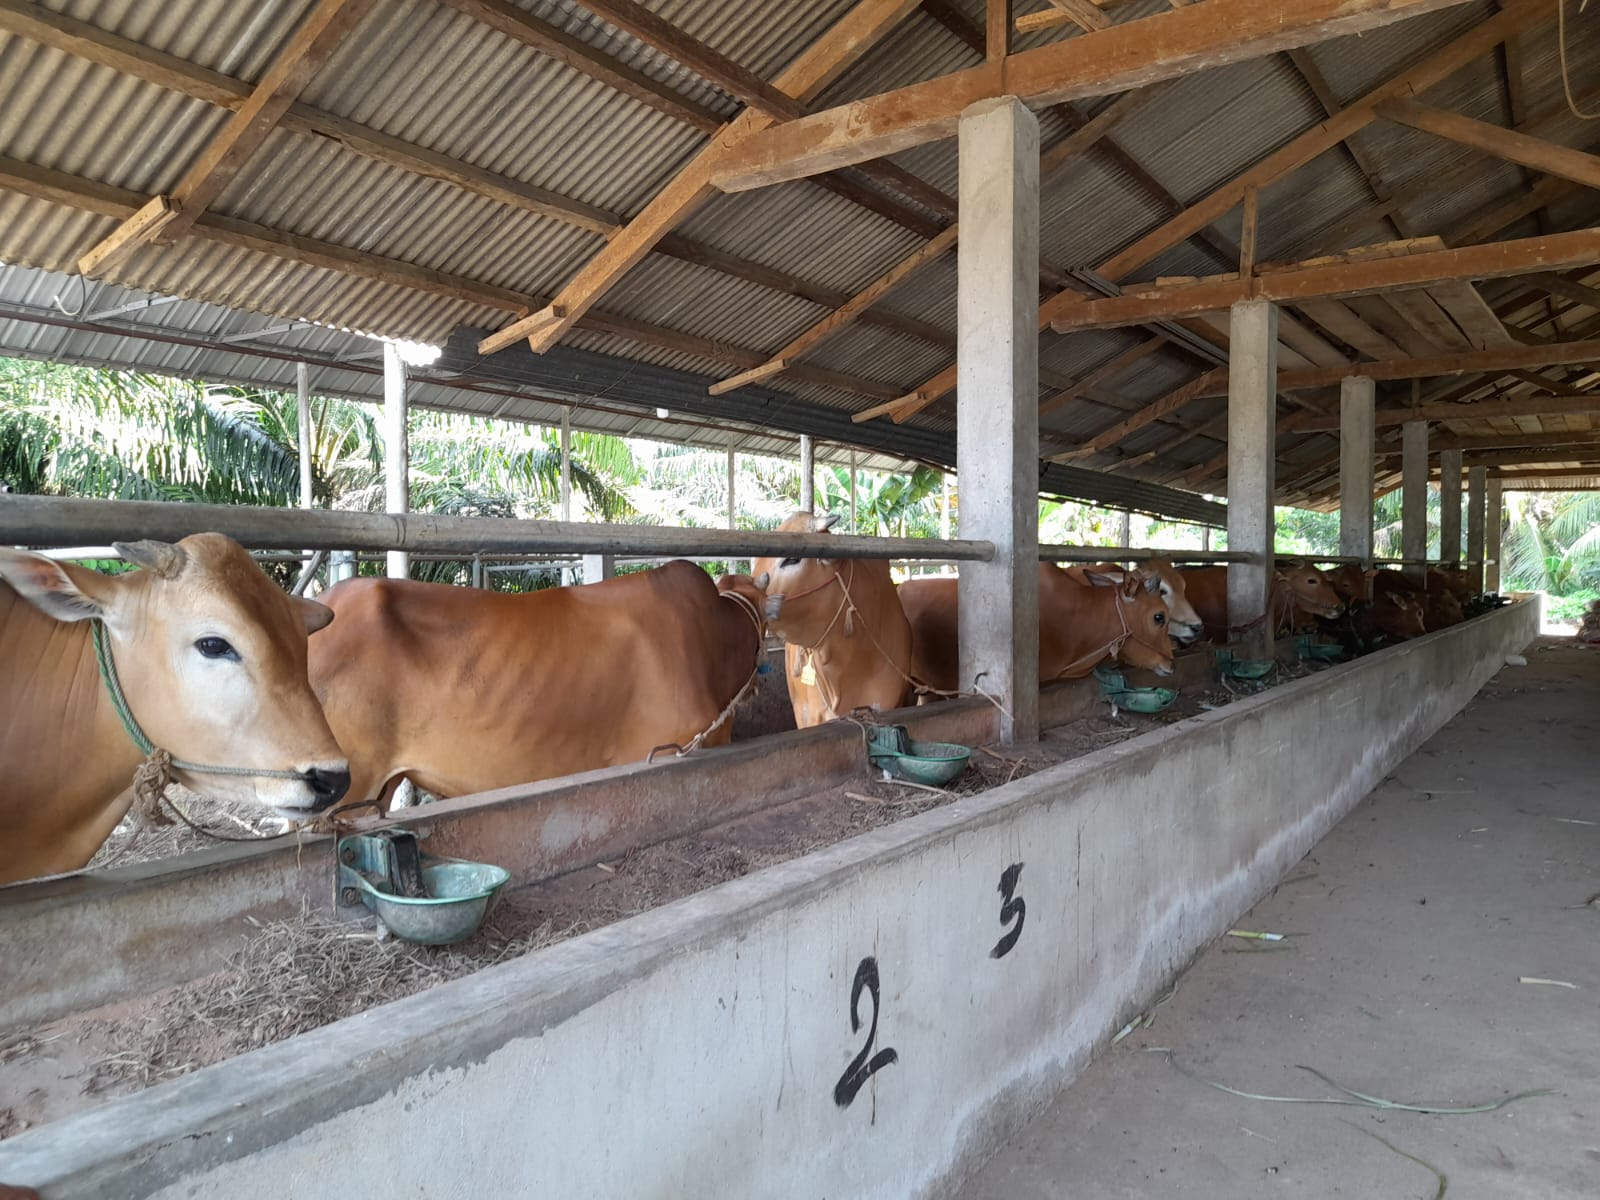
(327, 786)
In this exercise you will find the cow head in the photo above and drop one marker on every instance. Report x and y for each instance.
(1143, 614)
(212, 659)
(802, 595)
(1454, 579)
(1310, 589)
(1183, 623)
(1350, 583)
(1398, 615)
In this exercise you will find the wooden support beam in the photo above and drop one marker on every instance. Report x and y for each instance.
(1516, 15)
(1082, 13)
(1489, 261)
(311, 44)
(1247, 232)
(1132, 54)
(1090, 132)
(1512, 441)
(997, 30)
(1551, 158)
(1103, 374)
(1057, 16)
(835, 321)
(1563, 456)
(84, 195)
(1567, 289)
(1552, 473)
(849, 38)
(1166, 405)
(155, 215)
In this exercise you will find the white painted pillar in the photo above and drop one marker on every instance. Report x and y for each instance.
(1450, 505)
(1414, 496)
(1477, 480)
(1205, 537)
(808, 475)
(1493, 516)
(597, 567)
(944, 506)
(997, 406)
(1252, 455)
(396, 448)
(565, 492)
(1124, 528)
(302, 387)
(1356, 466)
(853, 491)
(733, 567)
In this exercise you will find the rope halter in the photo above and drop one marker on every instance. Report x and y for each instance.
(153, 775)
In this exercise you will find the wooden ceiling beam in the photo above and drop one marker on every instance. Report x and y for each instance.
(1549, 158)
(1115, 59)
(1298, 151)
(1082, 13)
(823, 62)
(1492, 260)
(311, 45)
(1507, 441)
(85, 195)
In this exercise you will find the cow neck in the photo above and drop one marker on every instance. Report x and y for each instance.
(846, 609)
(1115, 645)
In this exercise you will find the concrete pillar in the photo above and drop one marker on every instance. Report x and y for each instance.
(565, 492)
(1492, 518)
(599, 566)
(853, 491)
(1356, 463)
(997, 406)
(1414, 496)
(733, 567)
(1477, 479)
(1124, 527)
(302, 387)
(341, 565)
(396, 448)
(1450, 505)
(808, 475)
(1252, 454)
(1205, 537)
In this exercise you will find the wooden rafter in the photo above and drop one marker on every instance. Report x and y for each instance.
(1509, 441)
(851, 37)
(1112, 60)
(1082, 13)
(311, 44)
(1551, 158)
(1300, 150)
(1489, 261)
(835, 321)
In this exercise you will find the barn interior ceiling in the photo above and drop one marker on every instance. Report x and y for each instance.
(750, 205)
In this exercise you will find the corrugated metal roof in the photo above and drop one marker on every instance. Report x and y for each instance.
(426, 73)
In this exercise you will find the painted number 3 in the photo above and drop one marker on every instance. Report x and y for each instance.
(861, 1068)
(1012, 908)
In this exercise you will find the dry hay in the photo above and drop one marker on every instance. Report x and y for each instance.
(290, 977)
(135, 840)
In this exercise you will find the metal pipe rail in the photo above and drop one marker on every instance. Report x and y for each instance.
(59, 521)
(1094, 554)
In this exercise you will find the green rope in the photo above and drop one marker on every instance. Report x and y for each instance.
(108, 675)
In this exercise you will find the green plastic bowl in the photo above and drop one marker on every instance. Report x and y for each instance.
(460, 895)
(1238, 668)
(1143, 700)
(1318, 651)
(930, 763)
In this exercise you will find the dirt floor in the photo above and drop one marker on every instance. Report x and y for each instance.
(1442, 949)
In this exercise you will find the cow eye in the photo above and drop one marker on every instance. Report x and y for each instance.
(215, 647)
(790, 562)
(1161, 618)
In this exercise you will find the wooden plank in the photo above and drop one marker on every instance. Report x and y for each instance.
(1492, 260)
(1519, 205)
(1379, 314)
(1550, 158)
(835, 321)
(151, 218)
(1052, 18)
(1514, 15)
(1567, 289)
(522, 26)
(1344, 324)
(1125, 56)
(312, 43)
(1083, 14)
(1305, 341)
(1247, 232)
(851, 37)
(1422, 311)
(997, 30)
(1482, 410)
(1472, 313)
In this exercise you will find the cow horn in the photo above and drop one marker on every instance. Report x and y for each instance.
(824, 523)
(163, 558)
(762, 580)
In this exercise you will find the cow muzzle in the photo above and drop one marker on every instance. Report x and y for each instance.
(1183, 635)
(327, 786)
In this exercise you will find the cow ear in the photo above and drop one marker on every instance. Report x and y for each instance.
(1370, 573)
(1099, 580)
(316, 615)
(1152, 583)
(163, 558)
(762, 580)
(824, 523)
(62, 590)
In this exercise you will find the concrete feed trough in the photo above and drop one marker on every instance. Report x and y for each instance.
(876, 1016)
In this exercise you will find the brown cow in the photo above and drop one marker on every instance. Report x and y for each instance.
(1440, 607)
(849, 645)
(211, 657)
(460, 690)
(1183, 623)
(1298, 593)
(1081, 625)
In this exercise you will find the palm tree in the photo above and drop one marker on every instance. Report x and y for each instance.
(1551, 542)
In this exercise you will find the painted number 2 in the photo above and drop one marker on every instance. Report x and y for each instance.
(1012, 908)
(861, 1068)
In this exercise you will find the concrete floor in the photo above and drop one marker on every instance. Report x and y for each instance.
(1470, 867)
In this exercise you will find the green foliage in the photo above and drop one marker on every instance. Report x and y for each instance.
(1569, 609)
(1551, 542)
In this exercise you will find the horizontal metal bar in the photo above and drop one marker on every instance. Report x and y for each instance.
(62, 521)
(1094, 554)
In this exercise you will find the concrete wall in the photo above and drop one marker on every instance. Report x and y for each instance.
(700, 1049)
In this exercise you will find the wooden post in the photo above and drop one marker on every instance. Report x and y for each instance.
(396, 448)
(997, 405)
(1356, 466)
(1414, 497)
(1493, 516)
(1252, 403)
